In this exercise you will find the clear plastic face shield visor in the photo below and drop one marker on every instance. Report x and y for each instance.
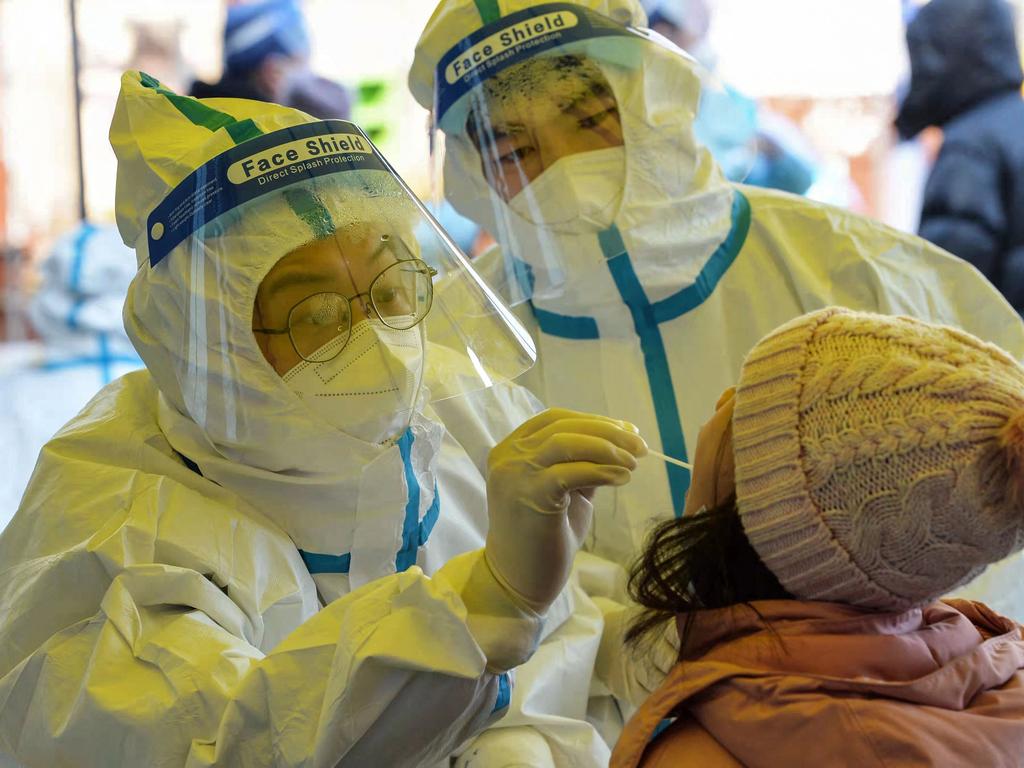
(295, 260)
(537, 117)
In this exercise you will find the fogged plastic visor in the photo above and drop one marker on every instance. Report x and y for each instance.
(293, 246)
(320, 325)
(534, 117)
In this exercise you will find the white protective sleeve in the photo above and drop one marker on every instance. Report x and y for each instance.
(546, 724)
(168, 672)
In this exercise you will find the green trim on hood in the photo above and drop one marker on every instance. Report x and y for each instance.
(305, 205)
(488, 10)
(308, 207)
(202, 115)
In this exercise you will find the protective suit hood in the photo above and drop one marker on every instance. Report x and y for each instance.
(193, 377)
(222, 405)
(674, 200)
(961, 53)
(452, 21)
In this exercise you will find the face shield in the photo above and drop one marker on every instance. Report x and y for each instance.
(553, 123)
(293, 262)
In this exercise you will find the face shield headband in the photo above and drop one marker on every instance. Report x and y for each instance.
(520, 36)
(262, 165)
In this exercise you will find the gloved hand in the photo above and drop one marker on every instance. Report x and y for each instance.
(540, 482)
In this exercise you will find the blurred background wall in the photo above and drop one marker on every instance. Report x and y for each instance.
(825, 73)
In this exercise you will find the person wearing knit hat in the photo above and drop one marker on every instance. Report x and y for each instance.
(312, 530)
(863, 467)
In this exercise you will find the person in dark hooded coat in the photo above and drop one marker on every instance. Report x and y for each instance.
(966, 78)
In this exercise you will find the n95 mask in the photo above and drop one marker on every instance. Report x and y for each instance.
(578, 193)
(369, 391)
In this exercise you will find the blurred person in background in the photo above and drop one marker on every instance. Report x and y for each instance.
(266, 58)
(471, 239)
(966, 79)
(76, 312)
(750, 143)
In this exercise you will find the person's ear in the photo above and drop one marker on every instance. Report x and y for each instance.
(726, 396)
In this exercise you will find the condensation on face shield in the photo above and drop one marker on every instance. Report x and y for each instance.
(537, 112)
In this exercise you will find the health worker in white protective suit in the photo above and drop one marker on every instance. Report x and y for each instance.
(565, 129)
(269, 547)
(82, 346)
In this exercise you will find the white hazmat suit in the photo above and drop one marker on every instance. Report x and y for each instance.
(204, 571)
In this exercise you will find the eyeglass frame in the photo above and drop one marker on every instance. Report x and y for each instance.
(368, 293)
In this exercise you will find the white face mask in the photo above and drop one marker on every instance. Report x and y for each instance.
(576, 194)
(369, 391)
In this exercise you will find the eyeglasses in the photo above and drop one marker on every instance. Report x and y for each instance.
(320, 325)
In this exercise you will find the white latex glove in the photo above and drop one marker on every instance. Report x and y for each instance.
(540, 481)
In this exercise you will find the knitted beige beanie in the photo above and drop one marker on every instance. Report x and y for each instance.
(879, 460)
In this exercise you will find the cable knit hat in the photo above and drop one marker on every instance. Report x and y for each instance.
(879, 460)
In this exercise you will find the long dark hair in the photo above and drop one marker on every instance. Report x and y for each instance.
(696, 562)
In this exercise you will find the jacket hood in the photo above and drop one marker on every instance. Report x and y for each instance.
(843, 677)
(941, 655)
(961, 53)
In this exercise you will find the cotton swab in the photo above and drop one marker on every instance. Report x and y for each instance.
(669, 459)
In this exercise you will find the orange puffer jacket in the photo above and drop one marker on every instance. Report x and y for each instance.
(823, 684)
